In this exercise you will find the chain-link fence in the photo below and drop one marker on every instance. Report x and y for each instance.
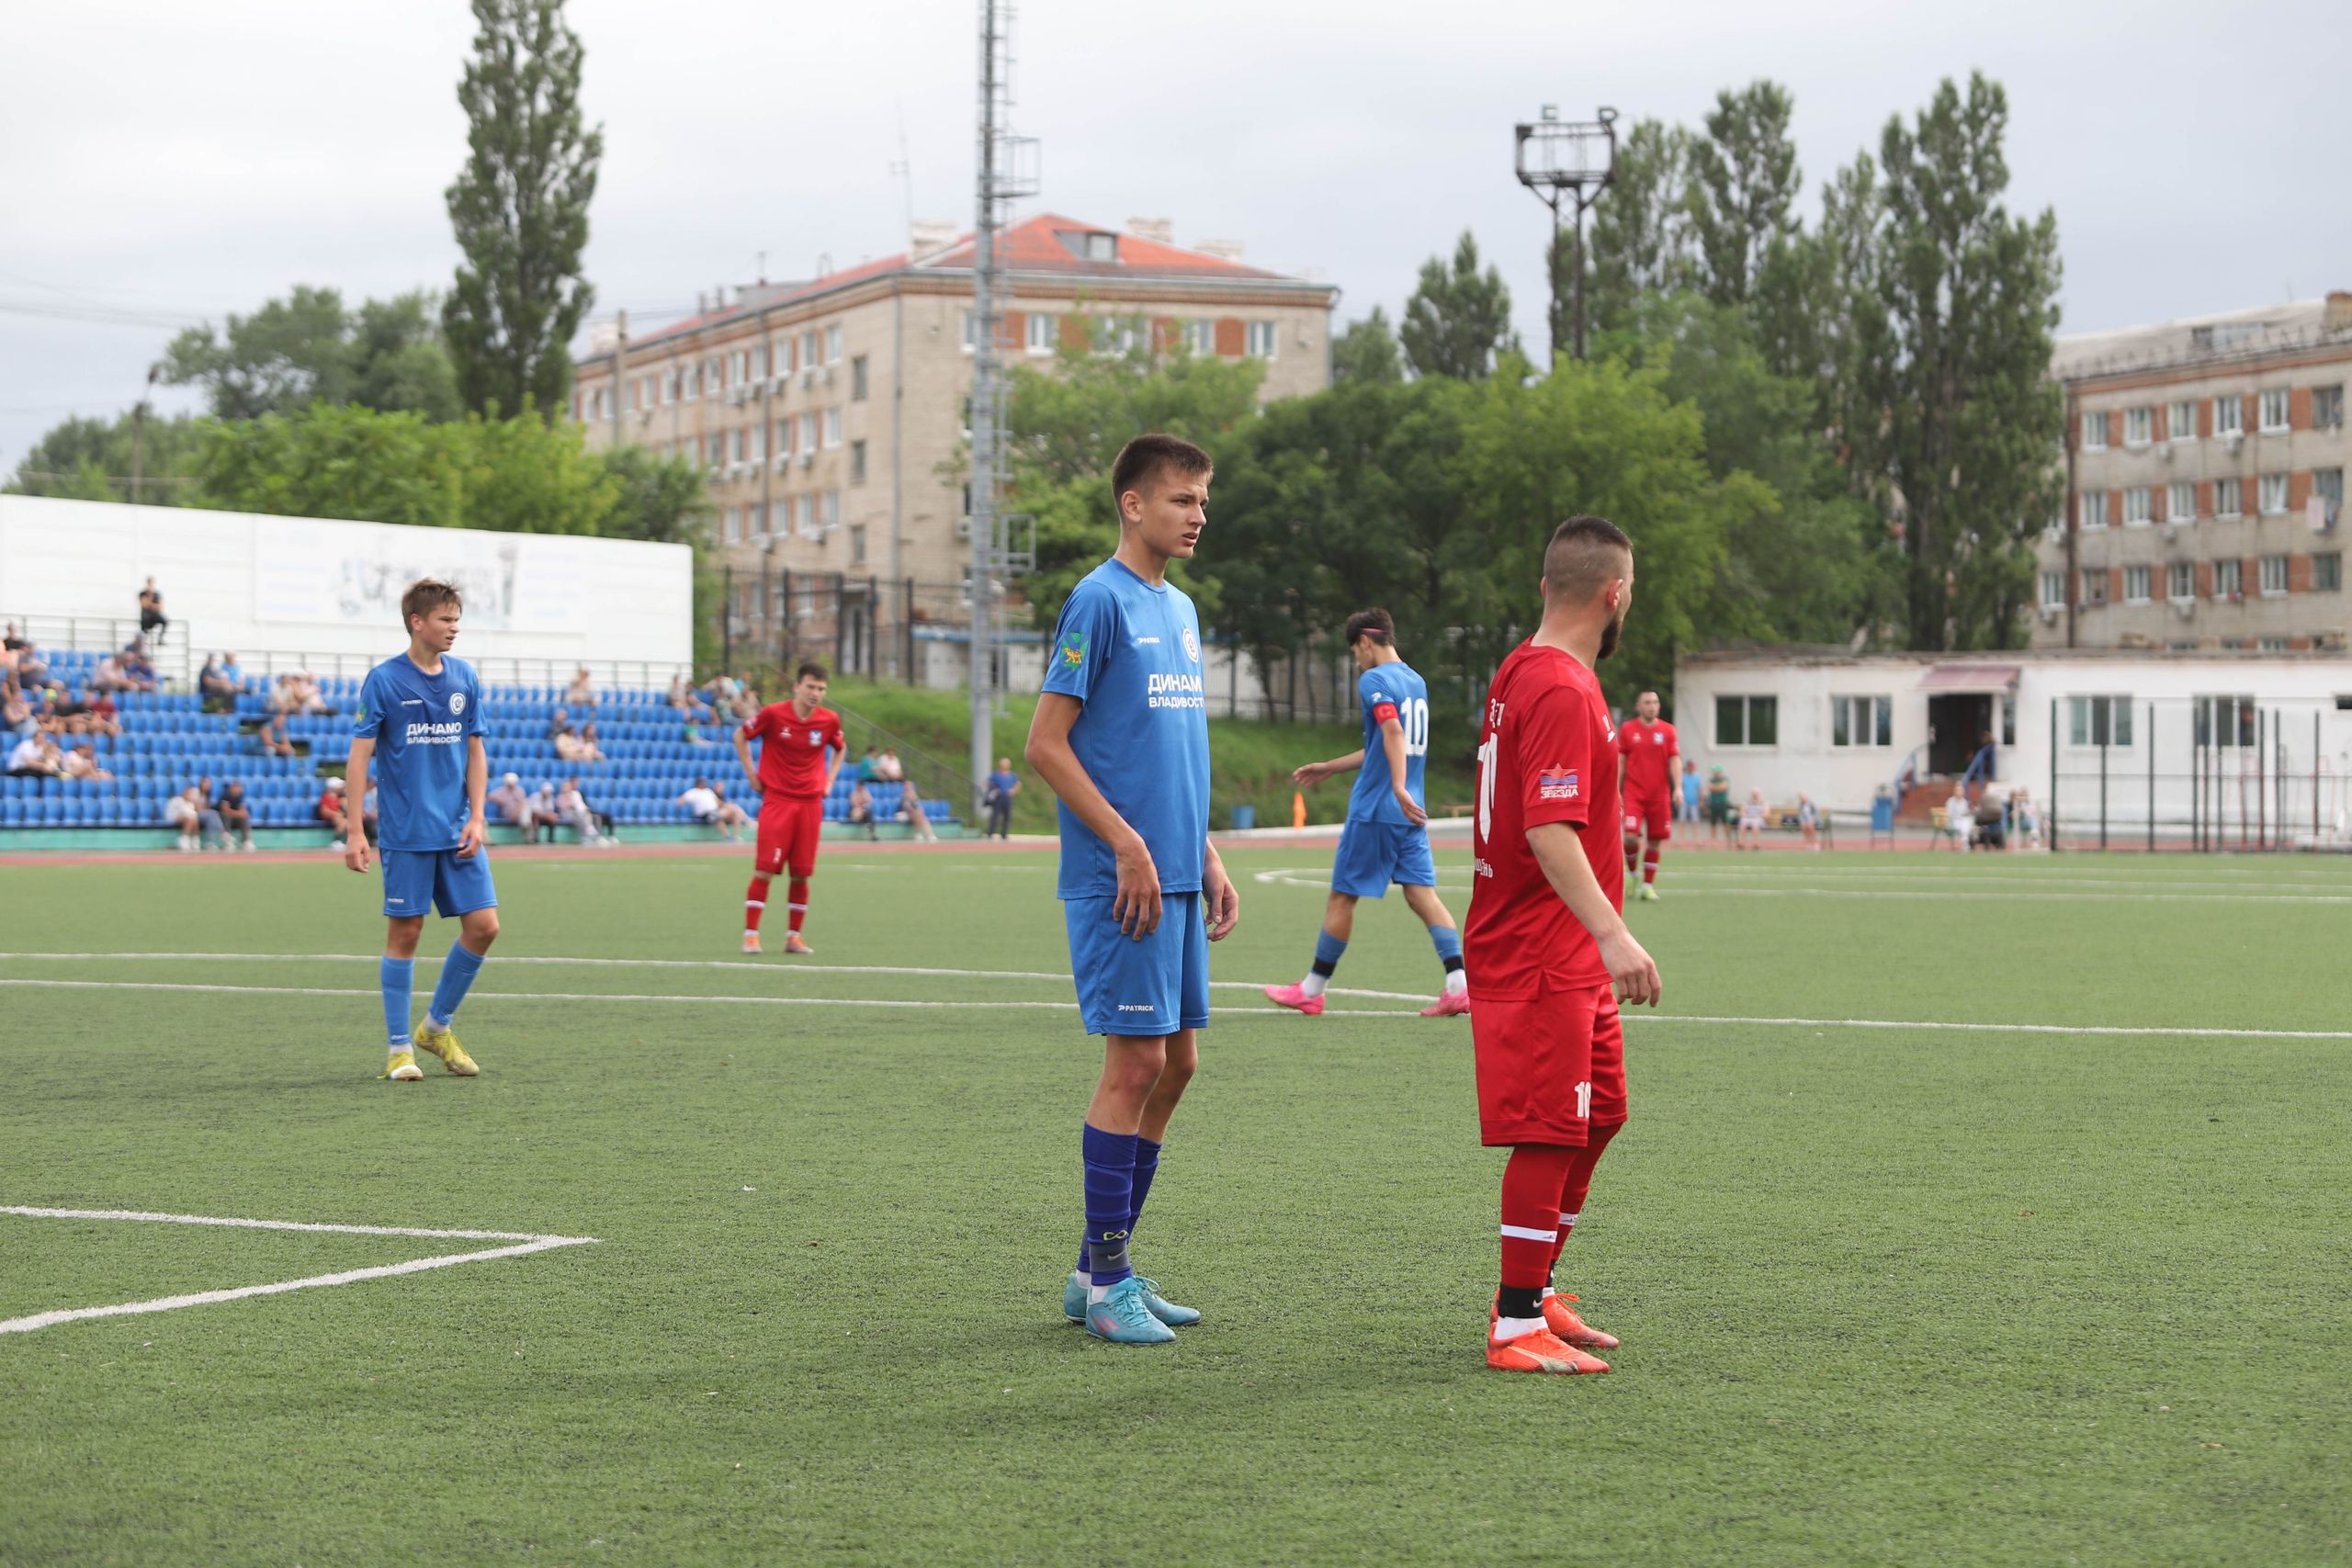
(2208, 772)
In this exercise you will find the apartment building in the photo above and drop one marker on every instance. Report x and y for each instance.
(831, 414)
(2205, 486)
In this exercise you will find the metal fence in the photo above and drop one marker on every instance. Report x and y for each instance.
(2205, 774)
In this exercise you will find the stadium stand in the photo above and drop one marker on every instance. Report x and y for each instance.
(169, 741)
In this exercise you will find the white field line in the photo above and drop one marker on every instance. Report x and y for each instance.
(1320, 881)
(525, 1243)
(1935, 1025)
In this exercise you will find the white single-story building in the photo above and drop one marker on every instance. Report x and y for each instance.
(2263, 739)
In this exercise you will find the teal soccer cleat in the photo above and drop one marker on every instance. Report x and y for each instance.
(1123, 1317)
(1159, 1306)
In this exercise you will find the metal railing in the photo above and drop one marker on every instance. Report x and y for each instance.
(108, 634)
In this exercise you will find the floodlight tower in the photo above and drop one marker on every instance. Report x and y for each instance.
(1008, 166)
(1562, 161)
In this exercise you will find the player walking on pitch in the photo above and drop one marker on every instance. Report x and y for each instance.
(793, 778)
(1550, 956)
(1386, 839)
(1121, 736)
(1648, 753)
(421, 722)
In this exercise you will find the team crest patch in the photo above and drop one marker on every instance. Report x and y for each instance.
(816, 738)
(1555, 784)
(1073, 649)
(456, 703)
(1192, 645)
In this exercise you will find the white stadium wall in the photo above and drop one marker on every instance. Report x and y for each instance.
(329, 591)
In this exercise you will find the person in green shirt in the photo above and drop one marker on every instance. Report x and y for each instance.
(1718, 805)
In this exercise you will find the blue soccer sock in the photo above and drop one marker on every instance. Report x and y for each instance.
(1110, 1201)
(457, 972)
(1328, 952)
(1448, 943)
(397, 977)
(1147, 1166)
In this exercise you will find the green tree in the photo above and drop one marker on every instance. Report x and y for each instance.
(1743, 182)
(664, 498)
(1953, 338)
(1640, 226)
(307, 348)
(400, 364)
(520, 211)
(1368, 351)
(91, 459)
(1458, 318)
(333, 460)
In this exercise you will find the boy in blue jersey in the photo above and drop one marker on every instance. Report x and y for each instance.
(420, 721)
(1387, 839)
(1121, 736)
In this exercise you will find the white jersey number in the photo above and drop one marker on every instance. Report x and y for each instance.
(1487, 785)
(1413, 718)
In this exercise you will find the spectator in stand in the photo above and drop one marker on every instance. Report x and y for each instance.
(62, 712)
(591, 749)
(691, 734)
(307, 698)
(186, 811)
(271, 737)
(35, 757)
(595, 826)
(1004, 784)
(1959, 816)
(1688, 796)
(911, 812)
(708, 807)
(582, 692)
(16, 713)
(105, 718)
(558, 729)
(1809, 821)
(139, 668)
(1751, 821)
(151, 611)
(544, 815)
(867, 769)
(219, 682)
(513, 805)
(110, 676)
(681, 696)
(887, 769)
(30, 667)
(1719, 816)
(82, 763)
(236, 813)
(334, 811)
(1992, 825)
(10, 642)
(861, 808)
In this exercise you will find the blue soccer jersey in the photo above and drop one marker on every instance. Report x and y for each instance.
(420, 724)
(1131, 653)
(1390, 691)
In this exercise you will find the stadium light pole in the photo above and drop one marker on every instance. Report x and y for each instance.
(1567, 162)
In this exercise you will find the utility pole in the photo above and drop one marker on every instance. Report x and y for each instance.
(139, 435)
(1567, 162)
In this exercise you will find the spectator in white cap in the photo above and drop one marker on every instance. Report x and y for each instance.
(514, 804)
(334, 811)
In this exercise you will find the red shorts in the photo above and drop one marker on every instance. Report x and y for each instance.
(1651, 811)
(789, 827)
(1550, 1068)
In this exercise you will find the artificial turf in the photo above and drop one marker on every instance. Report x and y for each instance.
(1887, 1294)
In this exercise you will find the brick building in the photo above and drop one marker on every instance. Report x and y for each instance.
(830, 414)
(2205, 486)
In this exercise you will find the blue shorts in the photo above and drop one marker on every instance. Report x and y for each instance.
(1157, 985)
(414, 878)
(1373, 854)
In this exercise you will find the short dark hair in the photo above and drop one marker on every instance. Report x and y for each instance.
(1143, 459)
(426, 595)
(1376, 624)
(1582, 556)
(810, 667)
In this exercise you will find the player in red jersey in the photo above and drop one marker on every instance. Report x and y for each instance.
(801, 758)
(1647, 758)
(1550, 958)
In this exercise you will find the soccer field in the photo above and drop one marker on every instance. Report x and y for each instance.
(1985, 1210)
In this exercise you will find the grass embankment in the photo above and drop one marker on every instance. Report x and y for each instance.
(1250, 760)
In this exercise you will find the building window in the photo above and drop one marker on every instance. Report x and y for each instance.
(2272, 645)
(2135, 584)
(2274, 495)
(807, 434)
(2327, 484)
(857, 544)
(2138, 507)
(832, 428)
(2098, 721)
(832, 346)
(689, 383)
(2182, 423)
(2094, 588)
(2274, 409)
(741, 446)
(2054, 590)
(2094, 509)
(1118, 334)
(857, 462)
(1747, 721)
(810, 341)
(2224, 721)
(833, 514)
(1199, 338)
(738, 367)
(2228, 498)
(2180, 502)
(2328, 408)
(2229, 416)
(2139, 426)
(2095, 431)
(734, 525)
(2181, 582)
(783, 437)
(2327, 572)
(2274, 576)
(1042, 333)
(2229, 580)
(1861, 721)
(971, 331)
(1261, 339)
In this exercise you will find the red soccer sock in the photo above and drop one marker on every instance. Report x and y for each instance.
(1578, 1183)
(755, 903)
(795, 902)
(1532, 1183)
(1649, 863)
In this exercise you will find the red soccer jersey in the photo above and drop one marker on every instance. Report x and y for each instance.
(1648, 747)
(1546, 756)
(793, 760)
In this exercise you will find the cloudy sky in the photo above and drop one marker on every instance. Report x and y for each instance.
(165, 162)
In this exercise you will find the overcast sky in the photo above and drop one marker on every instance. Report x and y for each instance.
(164, 162)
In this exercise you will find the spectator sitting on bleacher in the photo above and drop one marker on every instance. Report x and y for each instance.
(1752, 813)
(861, 808)
(182, 812)
(62, 712)
(887, 768)
(35, 757)
(1958, 816)
(10, 642)
(16, 713)
(150, 611)
(593, 826)
(863, 768)
(236, 813)
(582, 692)
(911, 813)
(690, 733)
(219, 682)
(681, 696)
(513, 805)
(745, 704)
(104, 717)
(591, 749)
(271, 737)
(1991, 825)
(542, 811)
(110, 676)
(707, 806)
(82, 762)
(559, 726)
(334, 811)
(139, 668)
(31, 668)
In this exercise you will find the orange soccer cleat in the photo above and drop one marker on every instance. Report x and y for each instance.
(1540, 1351)
(796, 942)
(750, 941)
(1569, 1329)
